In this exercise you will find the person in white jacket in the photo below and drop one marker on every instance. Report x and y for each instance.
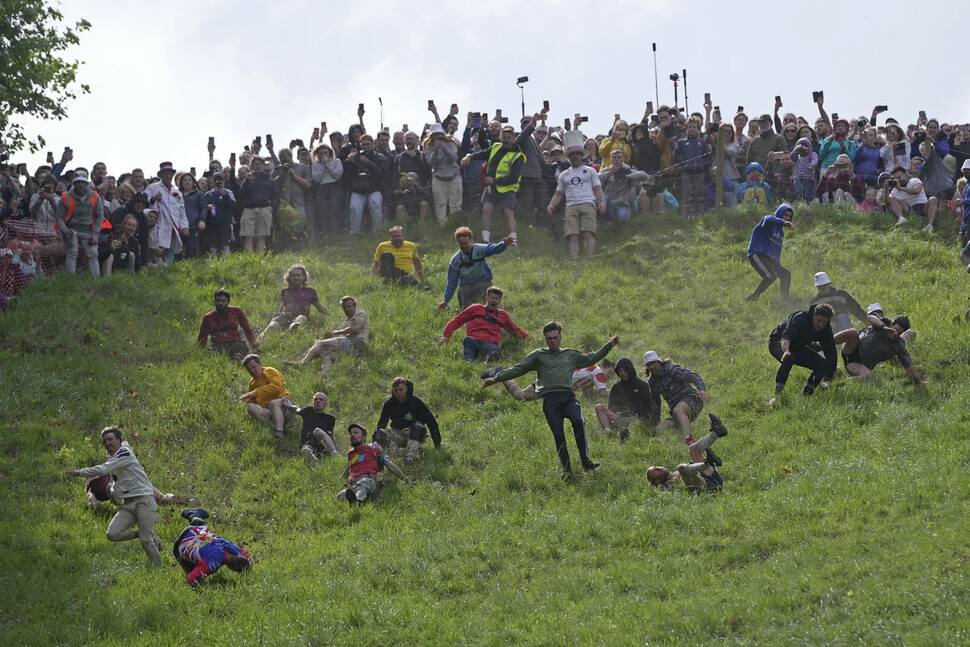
(133, 490)
(167, 199)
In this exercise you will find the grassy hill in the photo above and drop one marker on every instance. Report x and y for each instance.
(842, 521)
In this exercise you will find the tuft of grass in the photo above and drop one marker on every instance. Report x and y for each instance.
(841, 520)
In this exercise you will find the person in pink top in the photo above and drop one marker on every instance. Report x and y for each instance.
(297, 299)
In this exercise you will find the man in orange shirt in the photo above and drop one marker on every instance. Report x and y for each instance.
(267, 399)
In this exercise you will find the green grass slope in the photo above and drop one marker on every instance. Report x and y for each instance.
(843, 518)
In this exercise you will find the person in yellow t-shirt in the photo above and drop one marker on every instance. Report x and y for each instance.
(266, 398)
(397, 260)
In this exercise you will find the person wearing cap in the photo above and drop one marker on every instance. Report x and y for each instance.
(840, 185)
(794, 340)
(397, 260)
(583, 191)
(764, 251)
(167, 199)
(79, 217)
(503, 171)
(485, 325)
(841, 301)
(879, 342)
(364, 461)
(468, 270)
(838, 143)
(767, 141)
(908, 196)
(554, 367)
(218, 221)
(684, 391)
(441, 153)
(201, 552)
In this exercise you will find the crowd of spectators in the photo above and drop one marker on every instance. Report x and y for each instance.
(343, 182)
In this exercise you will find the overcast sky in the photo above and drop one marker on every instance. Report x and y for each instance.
(163, 81)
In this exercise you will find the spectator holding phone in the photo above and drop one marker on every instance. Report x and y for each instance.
(441, 153)
(766, 142)
(868, 160)
(907, 195)
(897, 151)
(803, 171)
(838, 143)
(196, 209)
(840, 185)
(328, 195)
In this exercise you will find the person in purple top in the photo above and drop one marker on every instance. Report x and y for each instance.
(297, 299)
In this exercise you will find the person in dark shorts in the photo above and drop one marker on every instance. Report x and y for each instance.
(764, 251)
(863, 350)
(682, 388)
(700, 475)
(792, 343)
(316, 437)
(297, 299)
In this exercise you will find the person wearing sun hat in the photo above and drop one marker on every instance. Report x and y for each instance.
(840, 300)
(168, 202)
(583, 191)
(80, 215)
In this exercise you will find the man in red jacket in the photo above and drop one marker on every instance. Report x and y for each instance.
(223, 324)
(485, 324)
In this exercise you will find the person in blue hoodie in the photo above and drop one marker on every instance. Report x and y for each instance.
(755, 190)
(764, 250)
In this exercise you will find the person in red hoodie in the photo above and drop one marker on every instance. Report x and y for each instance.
(485, 324)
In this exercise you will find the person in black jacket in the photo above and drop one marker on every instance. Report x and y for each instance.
(410, 421)
(366, 170)
(629, 401)
(789, 344)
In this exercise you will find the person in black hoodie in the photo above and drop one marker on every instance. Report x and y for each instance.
(790, 341)
(629, 401)
(410, 421)
(135, 206)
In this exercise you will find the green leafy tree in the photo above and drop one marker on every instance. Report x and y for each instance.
(34, 79)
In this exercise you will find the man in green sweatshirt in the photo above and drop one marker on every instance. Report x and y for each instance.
(554, 369)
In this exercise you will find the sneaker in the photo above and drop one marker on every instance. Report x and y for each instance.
(717, 426)
(380, 437)
(280, 433)
(624, 434)
(825, 384)
(901, 220)
(309, 455)
(189, 513)
(492, 372)
(350, 495)
(712, 458)
(754, 297)
(336, 453)
(567, 475)
(772, 402)
(409, 460)
(590, 465)
(968, 268)
(928, 228)
(807, 391)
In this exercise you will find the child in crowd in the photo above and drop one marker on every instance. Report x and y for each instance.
(755, 190)
(869, 205)
(803, 173)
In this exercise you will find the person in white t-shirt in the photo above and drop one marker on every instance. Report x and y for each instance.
(584, 196)
(908, 195)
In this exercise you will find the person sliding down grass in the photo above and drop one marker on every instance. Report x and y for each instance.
(700, 475)
(682, 388)
(364, 461)
(201, 552)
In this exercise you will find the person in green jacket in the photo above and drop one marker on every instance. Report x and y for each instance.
(554, 369)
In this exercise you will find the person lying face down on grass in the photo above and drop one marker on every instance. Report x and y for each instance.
(201, 552)
(700, 475)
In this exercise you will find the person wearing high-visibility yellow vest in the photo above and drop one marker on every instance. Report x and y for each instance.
(80, 215)
(503, 172)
